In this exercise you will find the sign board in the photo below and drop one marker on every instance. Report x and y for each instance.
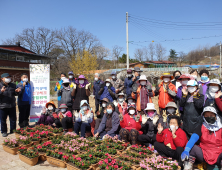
(40, 84)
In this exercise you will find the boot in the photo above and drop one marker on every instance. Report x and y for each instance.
(188, 165)
(26, 123)
(21, 125)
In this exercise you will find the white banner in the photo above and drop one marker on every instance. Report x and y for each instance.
(40, 84)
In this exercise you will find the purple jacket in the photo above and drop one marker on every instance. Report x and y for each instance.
(204, 86)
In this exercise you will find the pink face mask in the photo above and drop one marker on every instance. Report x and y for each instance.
(150, 113)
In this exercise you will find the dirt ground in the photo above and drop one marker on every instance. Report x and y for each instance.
(12, 162)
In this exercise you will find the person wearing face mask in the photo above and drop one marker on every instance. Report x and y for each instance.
(72, 79)
(59, 86)
(48, 113)
(150, 120)
(127, 87)
(107, 91)
(192, 102)
(130, 100)
(176, 81)
(81, 91)
(208, 138)
(96, 88)
(64, 119)
(120, 105)
(170, 142)
(65, 93)
(204, 81)
(83, 119)
(136, 77)
(142, 93)
(130, 125)
(166, 91)
(118, 84)
(24, 100)
(8, 91)
(109, 124)
(99, 114)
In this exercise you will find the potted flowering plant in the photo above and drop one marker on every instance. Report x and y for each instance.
(11, 146)
(25, 141)
(28, 156)
(57, 131)
(89, 157)
(71, 135)
(72, 150)
(137, 155)
(35, 138)
(43, 135)
(139, 148)
(40, 127)
(18, 132)
(56, 158)
(78, 163)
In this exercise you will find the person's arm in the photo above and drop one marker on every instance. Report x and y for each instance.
(183, 100)
(198, 100)
(115, 125)
(138, 124)
(112, 92)
(22, 89)
(218, 102)
(160, 137)
(102, 125)
(121, 85)
(180, 139)
(122, 123)
(131, 82)
(157, 90)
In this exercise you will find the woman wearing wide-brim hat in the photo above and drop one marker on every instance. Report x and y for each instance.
(166, 91)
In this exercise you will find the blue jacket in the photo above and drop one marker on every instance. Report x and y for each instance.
(96, 88)
(115, 124)
(60, 82)
(106, 93)
(128, 88)
(25, 95)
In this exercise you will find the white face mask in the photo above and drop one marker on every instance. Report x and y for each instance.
(70, 76)
(120, 100)
(143, 83)
(96, 79)
(50, 107)
(166, 80)
(63, 78)
(103, 104)
(172, 127)
(84, 108)
(170, 110)
(107, 84)
(25, 80)
(7, 80)
(130, 101)
(191, 89)
(194, 76)
(113, 77)
(132, 112)
(184, 82)
(129, 75)
(63, 110)
(81, 81)
(213, 89)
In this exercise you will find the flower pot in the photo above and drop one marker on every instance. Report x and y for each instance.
(17, 135)
(56, 162)
(57, 134)
(71, 166)
(42, 156)
(94, 166)
(29, 161)
(12, 151)
(27, 146)
(44, 139)
(36, 142)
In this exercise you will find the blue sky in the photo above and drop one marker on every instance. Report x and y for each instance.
(107, 20)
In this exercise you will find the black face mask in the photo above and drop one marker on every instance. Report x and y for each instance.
(176, 78)
(210, 120)
(66, 85)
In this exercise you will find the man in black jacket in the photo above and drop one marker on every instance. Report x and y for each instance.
(8, 92)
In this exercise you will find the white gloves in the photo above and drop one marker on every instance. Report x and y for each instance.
(87, 86)
(76, 114)
(74, 86)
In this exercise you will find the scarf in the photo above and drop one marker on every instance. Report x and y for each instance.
(82, 85)
(215, 127)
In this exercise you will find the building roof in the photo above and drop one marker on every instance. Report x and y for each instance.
(17, 47)
(131, 64)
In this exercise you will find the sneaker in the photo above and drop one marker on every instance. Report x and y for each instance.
(188, 165)
(4, 134)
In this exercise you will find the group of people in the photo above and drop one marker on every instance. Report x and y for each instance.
(187, 128)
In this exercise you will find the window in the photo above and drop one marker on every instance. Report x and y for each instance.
(26, 59)
(11, 57)
(3, 56)
(19, 58)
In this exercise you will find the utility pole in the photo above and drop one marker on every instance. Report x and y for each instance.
(220, 59)
(127, 42)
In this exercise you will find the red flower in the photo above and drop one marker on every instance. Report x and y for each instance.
(74, 156)
(60, 153)
(90, 155)
(116, 166)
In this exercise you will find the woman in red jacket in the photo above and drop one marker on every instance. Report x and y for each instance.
(171, 142)
(131, 125)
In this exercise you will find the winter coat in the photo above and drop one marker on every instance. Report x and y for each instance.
(130, 123)
(57, 88)
(166, 137)
(164, 97)
(118, 84)
(66, 97)
(128, 88)
(149, 126)
(25, 95)
(79, 95)
(204, 87)
(108, 93)
(96, 88)
(7, 98)
(66, 114)
(86, 118)
(137, 97)
(192, 112)
(115, 124)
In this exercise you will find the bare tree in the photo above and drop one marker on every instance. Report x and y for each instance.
(160, 52)
(146, 53)
(151, 49)
(139, 54)
(102, 53)
(182, 57)
(116, 53)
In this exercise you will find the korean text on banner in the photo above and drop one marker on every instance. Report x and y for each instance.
(40, 84)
